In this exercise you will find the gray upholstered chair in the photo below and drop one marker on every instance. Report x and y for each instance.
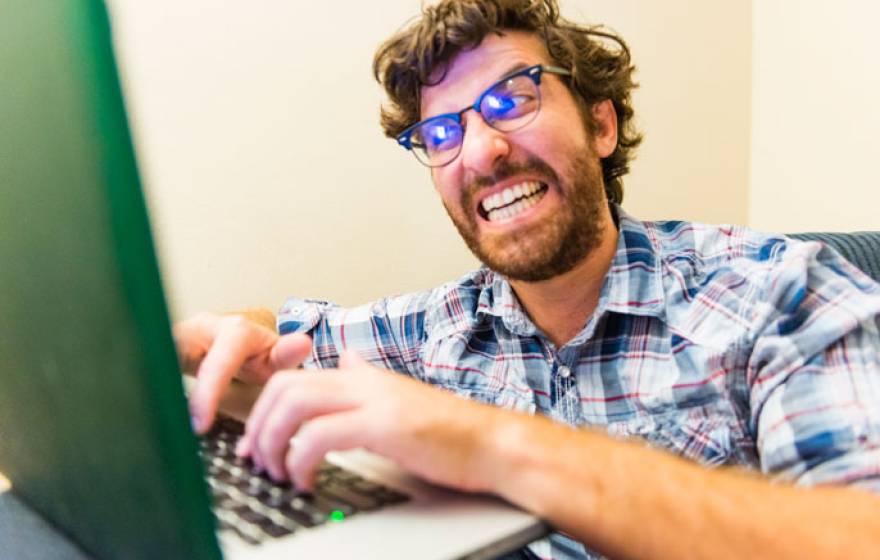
(860, 248)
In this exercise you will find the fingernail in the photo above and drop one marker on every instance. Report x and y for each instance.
(196, 423)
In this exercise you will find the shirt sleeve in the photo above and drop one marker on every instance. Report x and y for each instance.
(388, 333)
(814, 371)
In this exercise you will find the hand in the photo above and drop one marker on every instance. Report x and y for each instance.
(219, 347)
(428, 431)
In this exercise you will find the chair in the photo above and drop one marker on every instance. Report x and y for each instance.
(860, 248)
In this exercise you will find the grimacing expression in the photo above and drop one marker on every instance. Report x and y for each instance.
(528, 203)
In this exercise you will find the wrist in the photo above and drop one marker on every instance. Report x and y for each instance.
(515, 452)
(540, 466)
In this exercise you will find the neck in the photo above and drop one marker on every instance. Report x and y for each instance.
(561, 306)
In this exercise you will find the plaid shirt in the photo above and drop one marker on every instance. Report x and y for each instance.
(720, 344)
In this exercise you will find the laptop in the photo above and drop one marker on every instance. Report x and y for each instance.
(94, 427)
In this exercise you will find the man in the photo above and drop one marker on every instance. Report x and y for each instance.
(717, 346)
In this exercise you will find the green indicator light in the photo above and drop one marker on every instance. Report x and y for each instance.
(337, 515)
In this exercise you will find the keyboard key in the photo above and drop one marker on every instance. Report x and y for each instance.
(248, 532)
(249, 503)
(327, 504)
(274, 530)
(256, 486)
(388, 496)
(364, 486)
(360, 501)
(305, 516)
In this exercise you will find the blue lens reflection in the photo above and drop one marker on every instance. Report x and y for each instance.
(442, 134)
(499, 105)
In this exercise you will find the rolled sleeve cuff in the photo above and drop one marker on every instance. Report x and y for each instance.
(861, 470)
(301, 315)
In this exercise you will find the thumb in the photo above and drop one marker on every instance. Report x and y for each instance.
(350, 359)
(289, 351)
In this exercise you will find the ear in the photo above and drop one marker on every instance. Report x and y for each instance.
(605, 118)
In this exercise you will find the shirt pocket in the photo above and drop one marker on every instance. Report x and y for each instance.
(479, 371)
(704, 434)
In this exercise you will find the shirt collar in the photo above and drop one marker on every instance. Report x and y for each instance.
(633, 285)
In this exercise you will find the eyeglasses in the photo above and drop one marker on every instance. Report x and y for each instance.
(508, 105)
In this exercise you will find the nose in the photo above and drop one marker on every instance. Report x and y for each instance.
(482, 146)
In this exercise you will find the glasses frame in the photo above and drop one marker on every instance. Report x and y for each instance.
(532, 72)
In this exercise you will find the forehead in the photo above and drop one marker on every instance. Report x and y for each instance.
(472, 71)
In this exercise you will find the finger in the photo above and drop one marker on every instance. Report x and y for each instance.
(261, 409)
(236, 340)
(290, 351)
(291, 410)
(317, 437)
(350, 359)
(192, 339)
(287, 352)
(281, 384)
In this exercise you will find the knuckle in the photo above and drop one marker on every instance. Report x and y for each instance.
(308, 435)
(278, 381)
(274, 383)
(203, 317)
(200, 323)
(234, 323)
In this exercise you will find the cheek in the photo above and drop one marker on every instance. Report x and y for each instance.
(553, 139)
(445, 183)
(573, 136)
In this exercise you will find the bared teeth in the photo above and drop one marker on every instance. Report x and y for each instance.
(510, 194)
(521, 205)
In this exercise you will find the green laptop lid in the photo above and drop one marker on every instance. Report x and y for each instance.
(94, 429)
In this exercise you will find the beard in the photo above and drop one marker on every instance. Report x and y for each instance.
(550, 247)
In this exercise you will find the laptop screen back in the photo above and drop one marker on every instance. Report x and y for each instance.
(93, 421)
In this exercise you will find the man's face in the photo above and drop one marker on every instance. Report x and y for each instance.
(546, 176)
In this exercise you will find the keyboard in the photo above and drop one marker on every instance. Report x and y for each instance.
(249, 503)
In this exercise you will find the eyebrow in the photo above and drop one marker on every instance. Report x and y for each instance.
(515, 68)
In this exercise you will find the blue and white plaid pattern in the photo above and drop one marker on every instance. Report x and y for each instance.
(720, 344)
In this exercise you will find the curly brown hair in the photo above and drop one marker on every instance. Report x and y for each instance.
(418, 55)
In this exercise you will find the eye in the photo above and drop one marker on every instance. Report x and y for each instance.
(501, 104)
(510, 100)
(443, 134)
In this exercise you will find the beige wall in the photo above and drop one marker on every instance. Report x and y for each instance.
(256, 127)
(815, 144)
(693, 104)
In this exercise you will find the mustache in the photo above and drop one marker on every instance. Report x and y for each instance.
(506, 169)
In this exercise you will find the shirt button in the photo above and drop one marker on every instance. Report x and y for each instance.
(564, 371)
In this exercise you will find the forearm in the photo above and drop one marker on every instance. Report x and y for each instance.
(628, 501)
